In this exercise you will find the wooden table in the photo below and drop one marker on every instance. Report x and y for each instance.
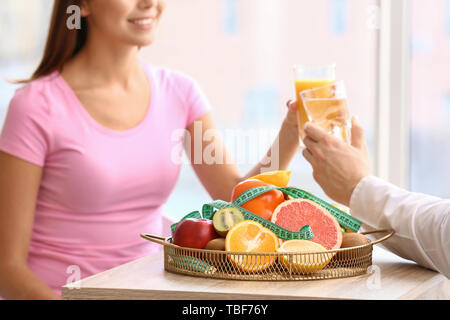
(391, 277)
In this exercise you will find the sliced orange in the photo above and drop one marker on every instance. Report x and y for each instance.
(278, 178)
(250, 236)
(308, 256)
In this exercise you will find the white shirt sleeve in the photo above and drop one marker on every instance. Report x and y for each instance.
(421, 222)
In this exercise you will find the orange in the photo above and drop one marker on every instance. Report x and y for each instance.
(251, 236)
(308, 257)
(264, 204)
(278, 178)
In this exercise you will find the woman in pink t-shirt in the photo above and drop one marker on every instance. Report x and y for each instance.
(87, 150)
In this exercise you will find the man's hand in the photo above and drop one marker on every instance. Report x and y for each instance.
(338, 167)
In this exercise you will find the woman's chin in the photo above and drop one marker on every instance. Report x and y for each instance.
(145, 43)
(141, 41)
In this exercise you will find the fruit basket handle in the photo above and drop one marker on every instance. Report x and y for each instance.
(155, 239)
(389, 231)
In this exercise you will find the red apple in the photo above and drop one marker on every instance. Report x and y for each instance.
(194, 233)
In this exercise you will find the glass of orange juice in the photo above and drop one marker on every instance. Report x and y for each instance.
(327, 107)
(310, 77)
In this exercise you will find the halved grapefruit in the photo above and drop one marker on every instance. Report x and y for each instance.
(296, 213)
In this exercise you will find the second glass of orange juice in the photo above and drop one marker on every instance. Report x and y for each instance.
(310, 77)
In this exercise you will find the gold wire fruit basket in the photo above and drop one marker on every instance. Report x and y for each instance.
(331, 264)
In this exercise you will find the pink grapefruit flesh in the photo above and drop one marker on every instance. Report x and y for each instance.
(294, 214)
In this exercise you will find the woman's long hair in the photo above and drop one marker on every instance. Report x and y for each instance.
(62, 42)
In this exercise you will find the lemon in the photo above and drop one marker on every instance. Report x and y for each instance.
(305, 257)
(278, 178)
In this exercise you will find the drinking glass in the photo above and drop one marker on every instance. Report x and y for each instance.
(327, 106)
(309, 77)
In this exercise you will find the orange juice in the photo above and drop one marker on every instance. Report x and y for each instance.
(301, 85)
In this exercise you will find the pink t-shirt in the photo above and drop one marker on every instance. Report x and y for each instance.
(100, 188)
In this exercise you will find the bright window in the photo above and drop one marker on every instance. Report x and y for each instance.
(430, 97)
(242, 53)
(23, 30)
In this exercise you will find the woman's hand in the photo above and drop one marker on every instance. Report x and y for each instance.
(338, 167)
(285, 147)
(290, 120)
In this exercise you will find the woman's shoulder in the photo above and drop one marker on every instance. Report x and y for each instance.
(39, 85)
(38, 89)
(35, 95)
(170, 77)
(185, 88)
